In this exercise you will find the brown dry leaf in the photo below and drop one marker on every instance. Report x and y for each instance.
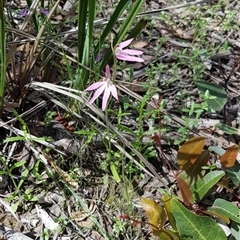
(83, 218)
(186, 193)
(184, 35)
(9, 106)
(139, 44)
(189, 152)
(229, 157)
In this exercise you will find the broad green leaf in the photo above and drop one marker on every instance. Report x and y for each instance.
(229, 157)
(235, 229)
(189, 152)
(234, 173)
(214, 90)
(192, 226)
(227, 129)
(225, 208)
(202, 186)
(186, 193)
(156, 214)
(167, 203)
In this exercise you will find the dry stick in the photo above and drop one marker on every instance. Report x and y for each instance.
(174, 7)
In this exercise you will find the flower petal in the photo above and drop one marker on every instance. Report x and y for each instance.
(97, 93)
(113, 90)
(94, 86)
(23, 12)
(125, 43)
(44, 11)
(131, 52)
(105, 98)
(107, 71)
(126, 57)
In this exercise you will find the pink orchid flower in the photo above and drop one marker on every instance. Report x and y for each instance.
(125, 54)
(105, 86)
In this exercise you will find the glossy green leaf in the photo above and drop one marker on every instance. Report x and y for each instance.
(234, 173)
(192, 226)
(225, 208)
(202, 186)
(214, 90)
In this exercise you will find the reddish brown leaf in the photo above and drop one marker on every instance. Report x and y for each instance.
(189, 152)
(229, 157)
(186, 193)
